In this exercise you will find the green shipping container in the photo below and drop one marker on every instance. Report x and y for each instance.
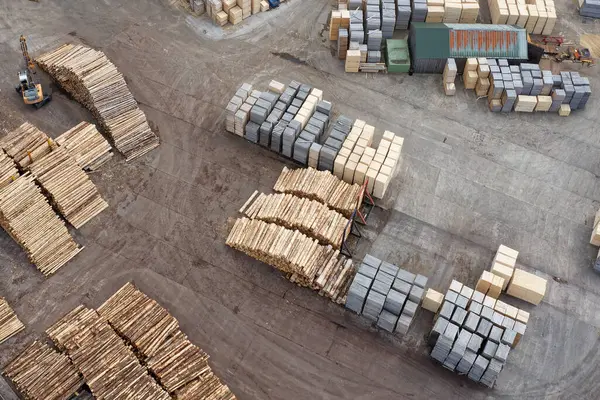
(396, 55)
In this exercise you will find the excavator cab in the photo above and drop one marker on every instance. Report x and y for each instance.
(30, 90)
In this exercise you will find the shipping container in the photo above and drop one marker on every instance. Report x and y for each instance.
(432, 44)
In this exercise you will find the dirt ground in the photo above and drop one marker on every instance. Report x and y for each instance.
(468, 181)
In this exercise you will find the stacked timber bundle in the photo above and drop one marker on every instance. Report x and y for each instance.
(26, 144)
(26, 215)
(8, 171)
(42, 373)
(9, 323)
(109, 367)
(321, 186)
(303, 259)
(86, 145)
(310, 217)
(209, 386)
(71, 190)
(90, 77)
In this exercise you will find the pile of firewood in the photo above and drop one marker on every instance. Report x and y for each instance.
(8, 170)
(26, 144)
(9, 323)
(42, 373)
(310, 217)
(26, 215)
(70, 189)
(86, 145)
(90, 77)
(321, 186)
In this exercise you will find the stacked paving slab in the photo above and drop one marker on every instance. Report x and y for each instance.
(334, 142)
(589, 8)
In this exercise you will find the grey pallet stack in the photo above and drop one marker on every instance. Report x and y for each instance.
(403, 14)
(444, 344)
(419, 10)
(302, 146)
(313, 155)
(354, 4)
(458, 350)
(357, 28)
(276, 136)
(374, 56)
(374, 40)
(251, 132)
(334, 142)
(582, 91)
(589, 8)
(388, 18)
(291, 132)
(372, 15)
(466, 362)
(547, 82)
(558, 96)
(438, 329)
(478, 369)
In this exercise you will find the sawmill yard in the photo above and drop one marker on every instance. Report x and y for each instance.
(468, 181)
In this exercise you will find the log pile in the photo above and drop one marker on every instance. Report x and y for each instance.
(9, 323)
(109, 367)
(310, 217)
(70, 189)
(26, 215)
(94, 81)
(8, 171)
(301, 258)
(40, 373)
(321, 186)
(26, 144)
(86, 145)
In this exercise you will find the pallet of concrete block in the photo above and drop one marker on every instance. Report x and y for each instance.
(503, 264)
(26, 144)
(536, 16)
(90, 77)
(40, 372)
(589, 8)
(449, 76)
(310, 217)
(28, 218)
(9, 323)
(403, 14)
(333, 144)
(527, 286)
(8, 170)
(384, 293)
(86, 145)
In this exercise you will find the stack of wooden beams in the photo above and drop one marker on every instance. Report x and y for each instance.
(321, 186)
(42, 373)
(9, 323)
(70, 189)
(8, 171)
(90, 77)
(310, 217)
(86, 145)
(26, 144)
(26, 215)
(109, 367)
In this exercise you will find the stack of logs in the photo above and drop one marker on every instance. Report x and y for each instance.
(86, 145)
(90, 77)
(9, 323)
(26, 215)
(310, 217)
(8, 171)
(26, 144)
(42, 373)
(321, 186)
(70, 189)
(301, 258)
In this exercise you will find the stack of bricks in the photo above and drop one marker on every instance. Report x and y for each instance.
(334, 143)
(452, 11)
(353, 60)
(384, 293)
(536, 16)
(449, 77)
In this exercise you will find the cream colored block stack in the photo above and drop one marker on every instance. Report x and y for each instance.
(235, 15)
(504, 263)
(334, 25)
(246, 6)
(470, 12)
(389, 150)
(490, 284)
(432, 301)
(498, 11)
(513, 12)
(308, 107)
(255, 6)
(221, 18)
(523, 13)
(543, 103)
(435, 11)
(449, 76)
(525, 103)
(264, 6)
(527, 287)
(595, 239)
(352, 63)
(452, 11)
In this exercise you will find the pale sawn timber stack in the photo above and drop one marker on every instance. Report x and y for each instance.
(28, 218)
(310, 217)
(26, 144)
(9, 323)
(8, 170)
(301, 258)
(70, 189)
(86, 145)
(180, 366)
(321, 186)
(90, 77)
(110, 368)
(41, 373)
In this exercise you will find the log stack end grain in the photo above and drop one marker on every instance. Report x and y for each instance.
(86, 145)
(10, 325)
(26, 144)
(8, 170)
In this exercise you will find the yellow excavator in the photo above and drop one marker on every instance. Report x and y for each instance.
(28, 88)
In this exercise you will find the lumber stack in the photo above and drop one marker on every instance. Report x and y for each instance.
(86, 145)
(26, 144)
(310, 217)
(26, 215)
(8, 170)
(90, 77)
(321, 186)
(39, 372)
(9, 323)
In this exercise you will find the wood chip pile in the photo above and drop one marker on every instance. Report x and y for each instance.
(303, 259)
(41, 373)
(26, 215)
(70, 189)
(86, 145)
(90, 77)
(310, 217)
(321, 186)
(26, 144)
(8, 170)
(110, 368)
(9, 323)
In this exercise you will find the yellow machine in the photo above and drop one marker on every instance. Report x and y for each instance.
(31, 91)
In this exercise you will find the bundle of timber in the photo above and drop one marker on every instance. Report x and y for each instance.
(321, 186)
(42, 373)
(26, 215)
(9, 323)
(90, 77)
(8, 171)
(303, 259)
(26, 144)
(86, 145)
(71, 190)
(109, 367)
(310, 217)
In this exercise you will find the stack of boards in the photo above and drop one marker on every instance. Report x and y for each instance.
(9, 323)
(90, 77)
(86, 145)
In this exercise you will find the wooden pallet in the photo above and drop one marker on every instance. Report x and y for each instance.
(86, 145)
(9, 323)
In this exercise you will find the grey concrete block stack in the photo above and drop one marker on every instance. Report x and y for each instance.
(388, 18)
(334, 143)
(403, 14)
(419, 10)
(357, 28)
(589, 8)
